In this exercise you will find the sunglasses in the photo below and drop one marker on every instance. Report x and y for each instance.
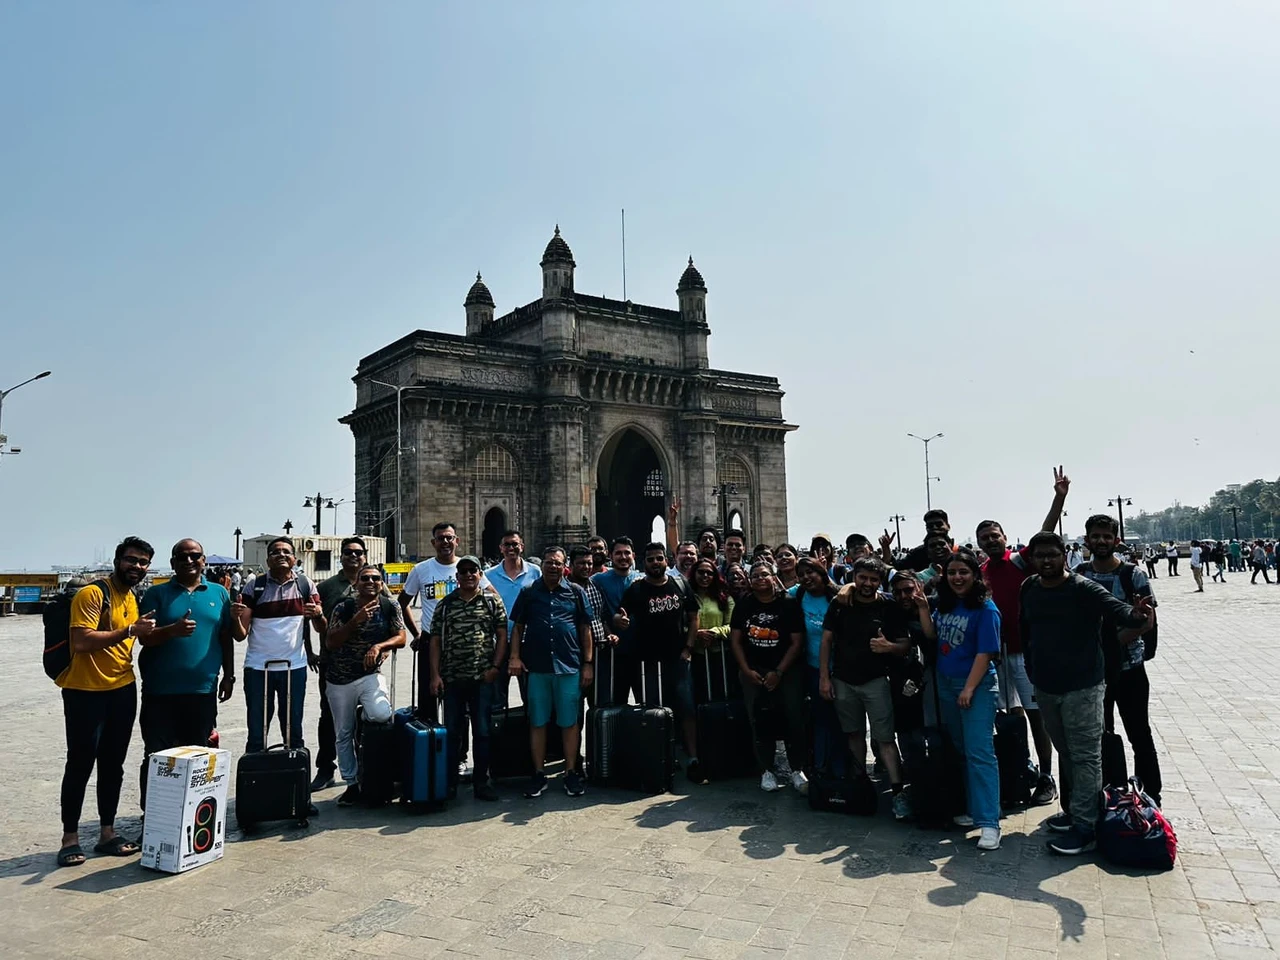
(188, 556)
(136, 561)
(367, 578)
(353, 553)
(469, 572)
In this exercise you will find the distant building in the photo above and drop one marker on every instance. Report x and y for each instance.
(570, 415)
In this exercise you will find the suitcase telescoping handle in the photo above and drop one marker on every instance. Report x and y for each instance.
(288, 702)
(413, 688)
(644, 693)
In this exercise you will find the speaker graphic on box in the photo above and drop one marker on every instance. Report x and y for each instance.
(200, 832)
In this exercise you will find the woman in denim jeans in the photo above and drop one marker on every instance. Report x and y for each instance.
(967, 627)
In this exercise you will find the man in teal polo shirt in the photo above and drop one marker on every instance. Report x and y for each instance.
(181, 658)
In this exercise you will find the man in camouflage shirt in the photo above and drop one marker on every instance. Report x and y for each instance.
(468, 648)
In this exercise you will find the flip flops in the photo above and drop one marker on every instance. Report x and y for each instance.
(71, 856)
(118, 846)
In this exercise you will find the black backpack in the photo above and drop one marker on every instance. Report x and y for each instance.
(57, 628)
(1152, 636)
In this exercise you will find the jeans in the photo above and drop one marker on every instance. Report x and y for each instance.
(473, 698)
(255, 681)
(99, 726)
(1074, 723)
(972, 732)
(830, 746)
(1130, 691)
(326, 735)
(786, 699)
(369, 692)
(174, 720)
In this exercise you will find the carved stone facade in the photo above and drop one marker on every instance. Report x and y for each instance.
(568, 416)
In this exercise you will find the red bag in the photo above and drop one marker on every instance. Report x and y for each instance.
(1132, 832)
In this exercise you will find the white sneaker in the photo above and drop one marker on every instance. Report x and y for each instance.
(989, 839)
(963, 820)
(768, 782)
(800, 782)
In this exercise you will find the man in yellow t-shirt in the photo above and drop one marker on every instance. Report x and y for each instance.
(100, 699)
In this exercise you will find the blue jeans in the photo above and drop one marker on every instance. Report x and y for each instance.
(973, 733)
(463, 698)
(830, 745)
(254, 681)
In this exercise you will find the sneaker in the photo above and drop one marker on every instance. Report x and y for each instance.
(901, 807)
(323, 781)
(484, 790)
(962, 820)
(537, 785)
(1060, 823)
(464, 772)
(350, 797)
(1072, 843)
(768, 782)
(1046, 791)
(573, 784)
(989, 839)
(694, 772)
(800, 782)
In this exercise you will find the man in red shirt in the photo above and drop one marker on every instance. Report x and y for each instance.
(1004, 572)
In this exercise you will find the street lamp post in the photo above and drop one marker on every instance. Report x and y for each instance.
(897, 519)
(1120, 503)
(333, 505)
(1235, 519)
(399, 453)
(928, 499)
(5, 393)
(238, 535)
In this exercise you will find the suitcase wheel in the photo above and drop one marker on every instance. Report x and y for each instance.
(304, 823)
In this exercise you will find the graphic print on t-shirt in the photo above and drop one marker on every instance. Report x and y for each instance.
(952, 628)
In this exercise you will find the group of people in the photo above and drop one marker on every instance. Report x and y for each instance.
(1226, 556)
(817, 647)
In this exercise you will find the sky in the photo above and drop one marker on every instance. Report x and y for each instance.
(1047, 231)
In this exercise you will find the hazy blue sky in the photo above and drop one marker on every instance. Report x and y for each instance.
(1051, 234)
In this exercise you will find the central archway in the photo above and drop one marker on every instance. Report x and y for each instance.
(631, 488)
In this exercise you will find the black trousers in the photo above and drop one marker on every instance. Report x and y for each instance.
(174, 720)
(99, 726)
(326, 734)
(1173, 566)
(1130, 693)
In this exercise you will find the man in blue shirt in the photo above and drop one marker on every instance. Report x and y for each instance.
(508, 578)
(552, 640)
(613, 583)
(181, 658)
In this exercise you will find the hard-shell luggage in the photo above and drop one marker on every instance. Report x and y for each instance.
(935, 770)
(274, 783)
(855, 793)
(601, 727)
(726, 748)
(1018, 775)
(642, 753)
(378, 755)
(510, 754)
(424, 753)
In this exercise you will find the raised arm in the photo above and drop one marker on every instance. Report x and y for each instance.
(1061, 484)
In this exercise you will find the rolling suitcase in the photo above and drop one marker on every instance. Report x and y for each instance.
(424, 745)
(936, 773)
(274, 783)
(726, 747)
(642, 755)
(1115, 768)
(602, 721)
(510, 754)
(378, 754)
(1018, 775)
(855, 793)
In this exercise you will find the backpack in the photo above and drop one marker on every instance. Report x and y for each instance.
(1152, 636)
(304, 587)
(57, 628)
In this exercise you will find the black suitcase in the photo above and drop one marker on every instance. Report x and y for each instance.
(642, 753)
(379, 754)
(510, 754)
(601, 726)
(935, 771)
(726, 747)
(1018, 775)
(1115, 768)
(274, 783)
(855, 794)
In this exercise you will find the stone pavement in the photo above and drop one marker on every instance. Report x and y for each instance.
(717, 872)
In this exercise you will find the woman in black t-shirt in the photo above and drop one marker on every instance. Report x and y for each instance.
(767, 637)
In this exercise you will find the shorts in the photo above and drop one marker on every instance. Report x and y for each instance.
(554, 692)
(871, 700)
(1014, 687)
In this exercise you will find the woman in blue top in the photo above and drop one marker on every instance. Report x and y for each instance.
(967, 624)
(815, 591)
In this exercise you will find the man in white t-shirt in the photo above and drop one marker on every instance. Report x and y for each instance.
(1076, 558)
(431, 581)
(269, 614)
(1197, 565)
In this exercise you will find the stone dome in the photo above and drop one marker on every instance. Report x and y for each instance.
(478, 294)
(557, 251)
(691, 279)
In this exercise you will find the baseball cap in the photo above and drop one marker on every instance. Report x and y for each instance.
(470, 559)
(824, 537)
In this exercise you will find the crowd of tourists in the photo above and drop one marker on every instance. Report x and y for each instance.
(820, 646)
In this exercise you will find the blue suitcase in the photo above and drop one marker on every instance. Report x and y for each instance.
(425, 777)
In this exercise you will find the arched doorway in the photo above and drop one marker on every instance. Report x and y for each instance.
(631, 488)
(495, 524)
